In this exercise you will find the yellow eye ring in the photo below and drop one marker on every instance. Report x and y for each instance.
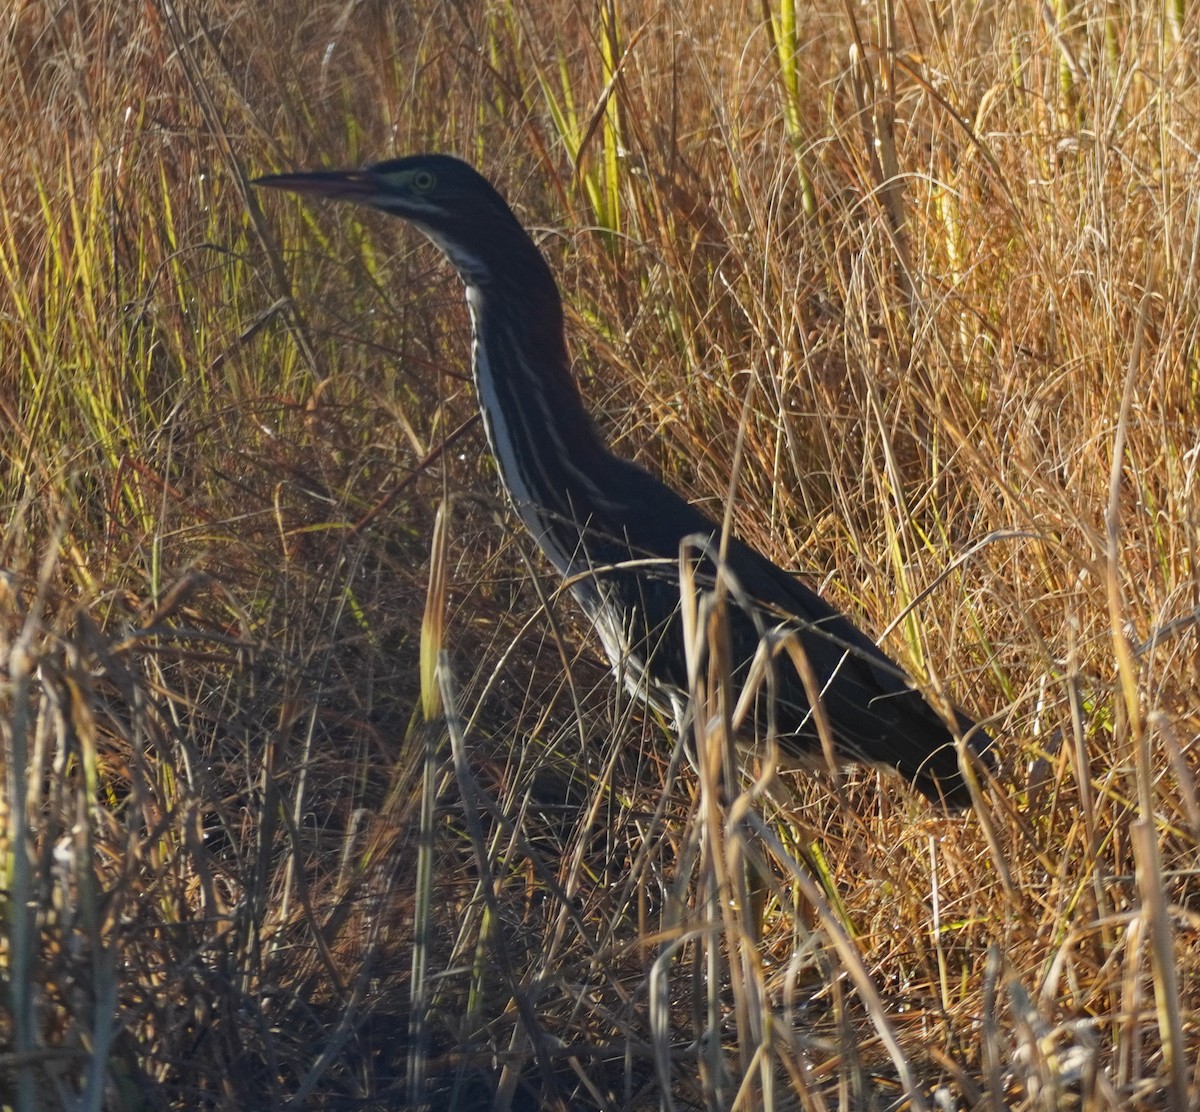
(422, 181)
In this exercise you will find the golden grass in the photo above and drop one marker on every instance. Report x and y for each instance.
(951, 263)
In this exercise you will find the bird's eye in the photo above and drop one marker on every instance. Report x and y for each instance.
(422, 181)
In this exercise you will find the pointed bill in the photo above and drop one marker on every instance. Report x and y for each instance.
(339, 185)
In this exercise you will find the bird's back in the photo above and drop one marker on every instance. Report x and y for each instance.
(627, 563)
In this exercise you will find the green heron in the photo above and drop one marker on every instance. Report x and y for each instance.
(614, 530)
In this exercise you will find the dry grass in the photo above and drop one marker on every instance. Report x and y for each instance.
(956, 280)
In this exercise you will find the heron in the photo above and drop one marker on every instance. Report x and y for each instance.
(614, 531)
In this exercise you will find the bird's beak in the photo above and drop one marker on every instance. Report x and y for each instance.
(339, 185)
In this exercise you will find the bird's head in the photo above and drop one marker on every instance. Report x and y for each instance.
(450, 202)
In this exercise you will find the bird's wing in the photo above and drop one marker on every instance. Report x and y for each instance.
(872, 705)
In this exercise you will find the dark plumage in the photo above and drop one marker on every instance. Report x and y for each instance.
(592, 512)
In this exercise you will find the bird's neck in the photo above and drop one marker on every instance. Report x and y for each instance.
(543, 440)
